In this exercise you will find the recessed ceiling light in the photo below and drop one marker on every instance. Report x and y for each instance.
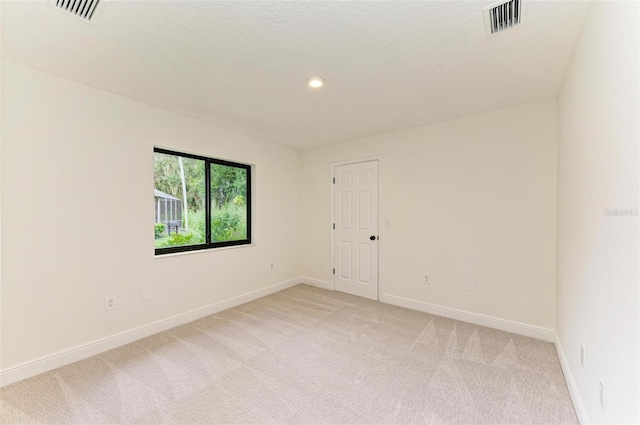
(315, 82)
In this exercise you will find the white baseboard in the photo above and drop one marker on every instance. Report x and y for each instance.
(571, 383)
(80, 352)
(475, 318)
(315, 282)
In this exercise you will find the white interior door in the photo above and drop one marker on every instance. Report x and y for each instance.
(356, 229)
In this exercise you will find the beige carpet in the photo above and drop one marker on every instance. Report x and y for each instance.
(305, 356)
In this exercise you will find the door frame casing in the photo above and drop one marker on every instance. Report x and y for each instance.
(380, 219)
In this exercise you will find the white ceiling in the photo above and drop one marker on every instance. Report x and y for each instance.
(388, 65)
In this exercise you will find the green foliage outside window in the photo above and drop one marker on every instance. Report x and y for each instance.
(183, 178)
(159, 229)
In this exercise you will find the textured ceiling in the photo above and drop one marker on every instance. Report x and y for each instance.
(387, 65)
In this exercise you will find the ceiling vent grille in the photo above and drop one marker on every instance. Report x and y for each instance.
(503, 16)
(87, 10)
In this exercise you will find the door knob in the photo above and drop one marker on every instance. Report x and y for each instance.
(373, 238)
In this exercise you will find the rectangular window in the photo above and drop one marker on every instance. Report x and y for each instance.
(200, 202)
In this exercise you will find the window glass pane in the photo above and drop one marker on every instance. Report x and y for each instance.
(228, 203)
(173, 225)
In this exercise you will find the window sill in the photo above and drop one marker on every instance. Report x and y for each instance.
(202, 251)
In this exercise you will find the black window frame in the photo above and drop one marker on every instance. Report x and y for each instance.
(207, 182)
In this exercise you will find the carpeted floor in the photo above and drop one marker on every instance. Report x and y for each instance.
(305, 356)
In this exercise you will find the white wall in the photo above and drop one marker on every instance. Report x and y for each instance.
(598, 294)
(472, 198)
(0, 183)
(77, 210)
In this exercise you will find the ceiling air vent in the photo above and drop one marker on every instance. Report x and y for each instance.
(87, 10)
(503, 16)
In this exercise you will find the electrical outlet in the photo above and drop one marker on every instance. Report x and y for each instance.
(582, 356)
(603, 396)
(110, 303)
(471, 285)
(272, 266)
(145, 294)
(426, 280)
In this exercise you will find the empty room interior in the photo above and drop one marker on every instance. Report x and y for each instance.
(364, 212)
